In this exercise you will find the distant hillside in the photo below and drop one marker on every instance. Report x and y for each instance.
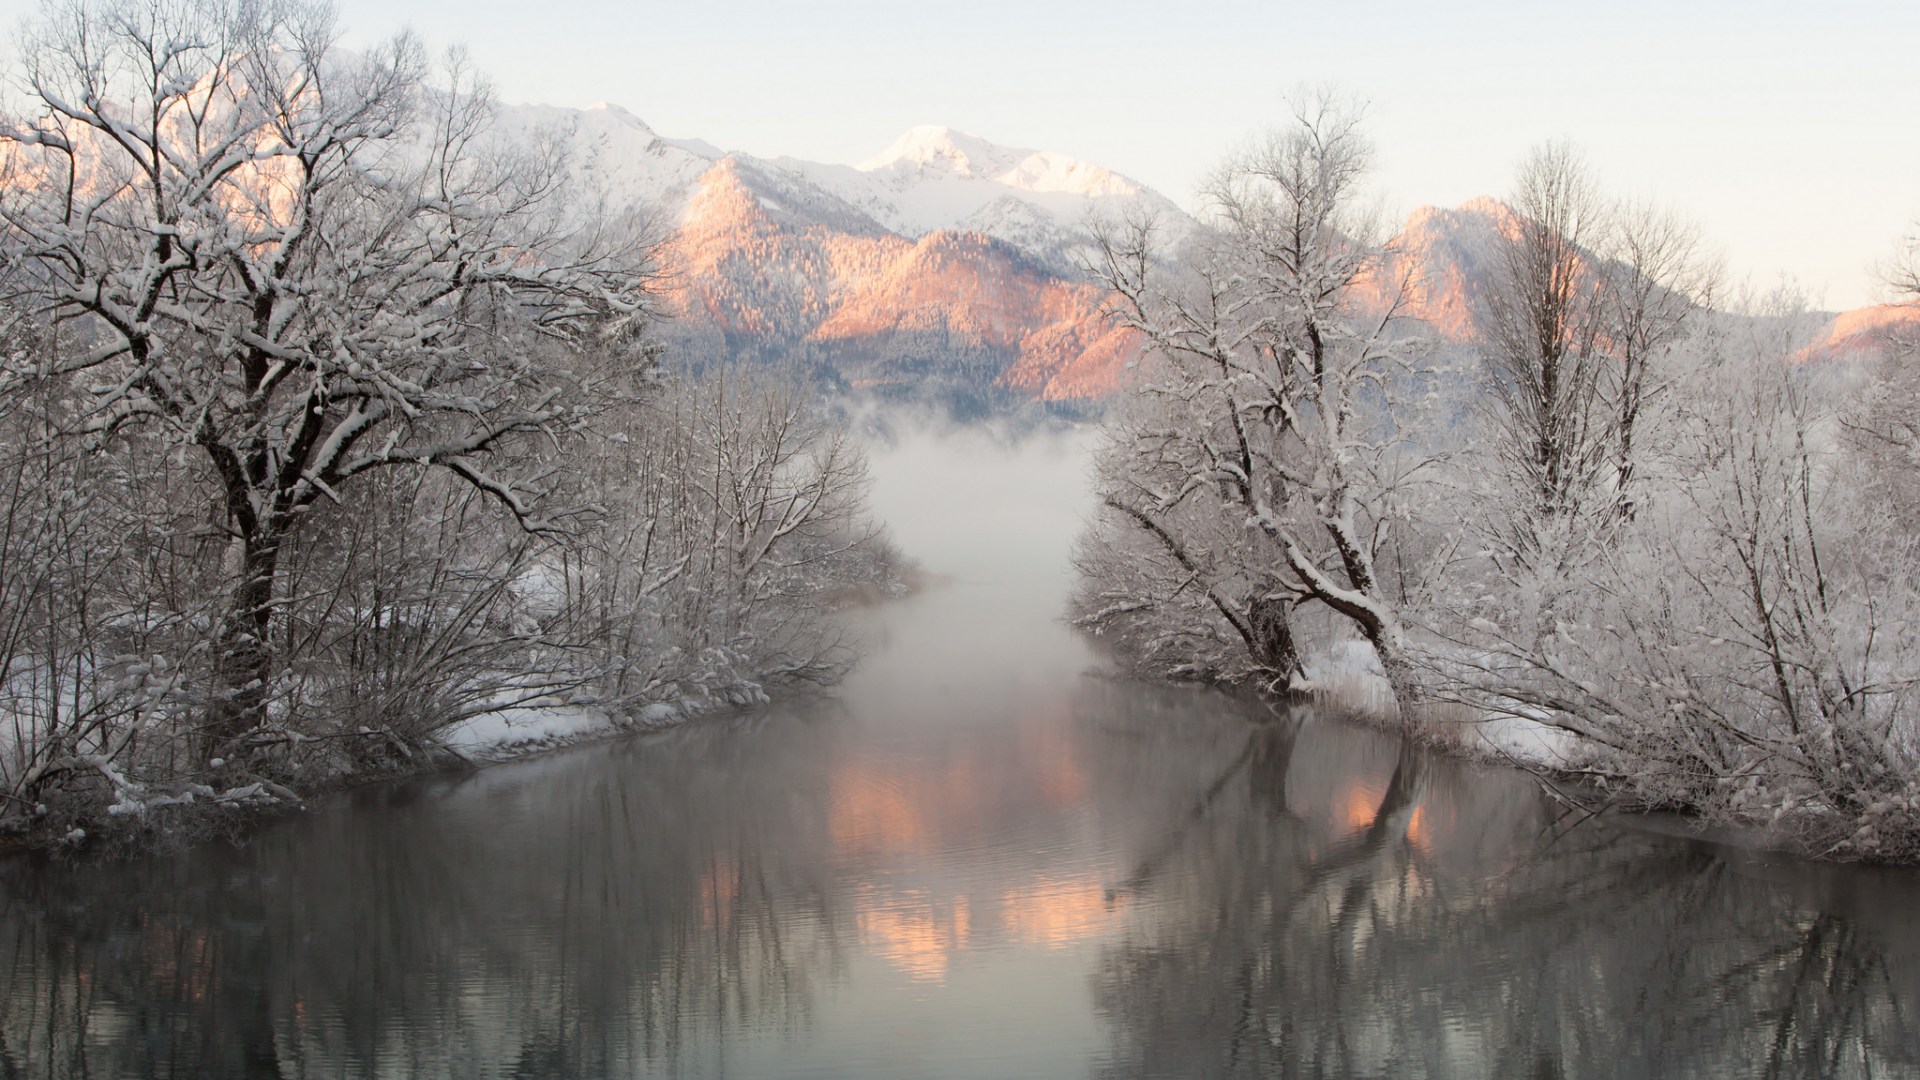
(1449, 258)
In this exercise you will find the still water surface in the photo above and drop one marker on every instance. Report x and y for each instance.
(979, 857)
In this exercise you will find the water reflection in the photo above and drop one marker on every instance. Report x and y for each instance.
(1366, 911)
(1243, 896)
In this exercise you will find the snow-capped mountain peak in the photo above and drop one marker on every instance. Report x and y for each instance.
(619, 112)
(935, 149)
(931, 178)
(934, 177)
(933, 152)
(1047, 171)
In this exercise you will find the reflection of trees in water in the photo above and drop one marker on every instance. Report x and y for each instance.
(1301, 899)
(617, 927)
(1460, 931)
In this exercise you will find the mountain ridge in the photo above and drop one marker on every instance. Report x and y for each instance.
(949, 261)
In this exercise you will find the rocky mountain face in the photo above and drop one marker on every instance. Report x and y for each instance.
(947, 267)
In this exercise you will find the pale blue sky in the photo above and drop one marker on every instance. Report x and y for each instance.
(1790, 132)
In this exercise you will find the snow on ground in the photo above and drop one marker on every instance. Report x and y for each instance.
(509, 732)
(1526, 740)
(1348, 674)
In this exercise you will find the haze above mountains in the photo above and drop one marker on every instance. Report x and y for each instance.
(945, 268)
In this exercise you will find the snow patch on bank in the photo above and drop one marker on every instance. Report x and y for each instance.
(1347, 674)
(507, 733)
(1529, 741)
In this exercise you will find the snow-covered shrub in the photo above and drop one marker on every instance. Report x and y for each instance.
(735, 522)
(1747, 644)
(104, 615)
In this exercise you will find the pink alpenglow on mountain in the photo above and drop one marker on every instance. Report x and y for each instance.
(948, 257)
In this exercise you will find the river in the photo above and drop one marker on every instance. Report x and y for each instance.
(981, 856)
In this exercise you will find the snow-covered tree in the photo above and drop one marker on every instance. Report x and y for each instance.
(1544, 331)
(302, 265)
(1588, 300)
(1658, 280)
(1902, 274)
(1884, 427)
(1264, 460)
(735, 521)
(1743, 646)
(1586, 294)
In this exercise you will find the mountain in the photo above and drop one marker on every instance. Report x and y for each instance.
(935, 178)
(949, 267)
(1452, 256)
(1448, 257)
(767, 275)
(1867, 329)
(945, 261)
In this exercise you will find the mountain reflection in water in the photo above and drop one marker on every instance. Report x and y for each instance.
(972, 860)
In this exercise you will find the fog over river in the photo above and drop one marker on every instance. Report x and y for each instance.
(978, 857)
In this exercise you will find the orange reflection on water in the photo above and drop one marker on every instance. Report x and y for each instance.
(1417, 830)
(921, 935)
(1057, 912)
(1358, 803)
(873, 811)
(719, 886)
(1046, 744)
(1433, 822)
(882, 804)
(894, 818)
(912, 931)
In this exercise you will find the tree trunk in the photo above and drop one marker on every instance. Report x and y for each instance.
(243, 664)
(1400, 678)
(1273, 649)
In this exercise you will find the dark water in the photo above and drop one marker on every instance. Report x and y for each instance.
(973, 860)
